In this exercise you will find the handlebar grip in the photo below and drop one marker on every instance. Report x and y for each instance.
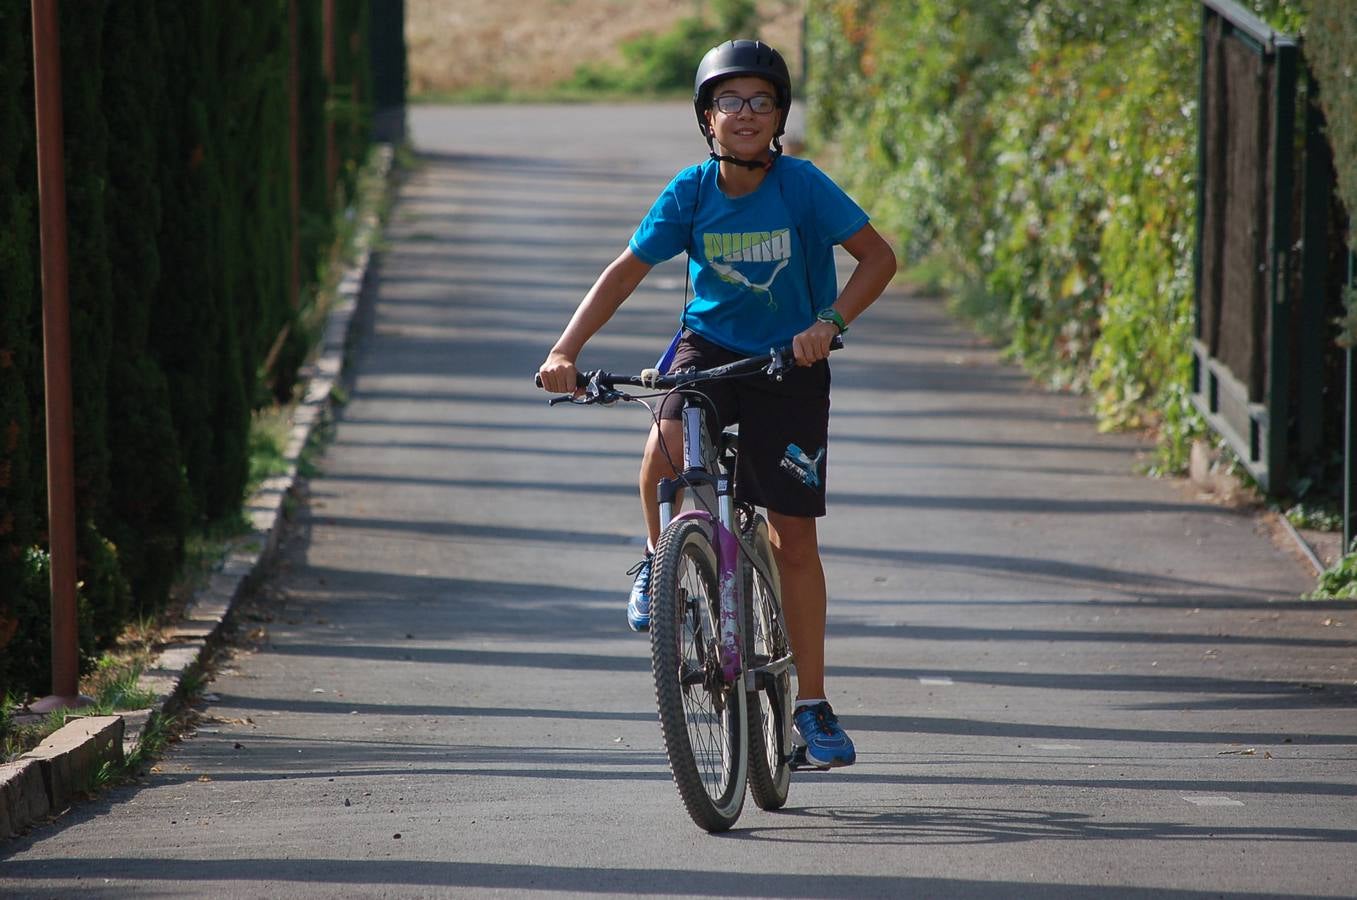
(581, 378)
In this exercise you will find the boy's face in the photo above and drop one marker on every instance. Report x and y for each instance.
(744, 133)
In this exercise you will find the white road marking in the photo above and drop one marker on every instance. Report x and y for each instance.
(937, 680)
(1214, 801)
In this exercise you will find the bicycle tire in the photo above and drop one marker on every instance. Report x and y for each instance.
(769, 704)
(702, 720)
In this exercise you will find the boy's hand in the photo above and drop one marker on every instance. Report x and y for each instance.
(812, 345)
(557, 374)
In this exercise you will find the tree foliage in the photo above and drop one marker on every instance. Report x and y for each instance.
(177, 171)
(1045, 152)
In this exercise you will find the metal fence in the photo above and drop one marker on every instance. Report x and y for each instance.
(1267, 374)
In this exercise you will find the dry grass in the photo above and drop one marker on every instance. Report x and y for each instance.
(528, 45)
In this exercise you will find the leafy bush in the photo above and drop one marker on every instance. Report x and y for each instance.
(1331, 45)
(26, 663)
(1044, 150)
(1338, 582)
(902, 95)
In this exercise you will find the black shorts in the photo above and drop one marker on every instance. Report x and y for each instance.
(784, 427)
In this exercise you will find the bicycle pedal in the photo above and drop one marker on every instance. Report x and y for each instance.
(798, 762)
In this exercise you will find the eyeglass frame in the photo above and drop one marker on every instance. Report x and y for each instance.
(745, 101)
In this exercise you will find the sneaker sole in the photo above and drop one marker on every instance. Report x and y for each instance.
(801, 761)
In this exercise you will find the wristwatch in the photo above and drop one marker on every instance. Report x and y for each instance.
(830, 315)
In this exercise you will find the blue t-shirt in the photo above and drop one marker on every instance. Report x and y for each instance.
(762, 265)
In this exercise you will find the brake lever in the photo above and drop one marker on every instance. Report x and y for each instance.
(593, 393)
(780, 363)
(777, 366)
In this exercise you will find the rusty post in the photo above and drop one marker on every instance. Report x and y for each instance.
(56, 331)
(295, 152)
(327, 57)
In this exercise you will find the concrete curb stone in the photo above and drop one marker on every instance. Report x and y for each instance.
(23, 796)
(71, 755)
(44, 781)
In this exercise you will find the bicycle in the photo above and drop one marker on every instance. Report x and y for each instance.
(720, 655)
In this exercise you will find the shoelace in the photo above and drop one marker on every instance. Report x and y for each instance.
(642, 565)
(826, 721)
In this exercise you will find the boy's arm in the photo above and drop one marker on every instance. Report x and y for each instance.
(876, 267)
(615, 285)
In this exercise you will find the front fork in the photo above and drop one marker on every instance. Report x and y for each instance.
(727, 547)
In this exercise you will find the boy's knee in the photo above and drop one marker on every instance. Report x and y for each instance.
(664, 444)
(795, 541)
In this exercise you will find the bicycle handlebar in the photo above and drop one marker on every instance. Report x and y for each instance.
(775, 361)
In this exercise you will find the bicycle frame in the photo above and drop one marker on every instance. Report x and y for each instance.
(748, 660)
(700, 458)
(697, 474)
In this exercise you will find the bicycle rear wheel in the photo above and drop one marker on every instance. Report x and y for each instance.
(767, 647)
(702, 718)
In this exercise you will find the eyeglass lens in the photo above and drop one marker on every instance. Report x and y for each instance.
(759, 104)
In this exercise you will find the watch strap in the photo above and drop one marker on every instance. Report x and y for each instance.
(831, 315)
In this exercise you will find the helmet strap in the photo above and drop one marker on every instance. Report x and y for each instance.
(745, 163)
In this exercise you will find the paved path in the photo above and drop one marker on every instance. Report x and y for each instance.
(1062, 676)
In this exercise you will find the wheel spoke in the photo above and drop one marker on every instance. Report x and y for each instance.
(766, 643)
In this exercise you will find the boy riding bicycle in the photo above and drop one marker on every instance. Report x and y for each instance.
(759, 229)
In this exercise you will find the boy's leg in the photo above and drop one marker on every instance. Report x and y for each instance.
(821, 742)
(797, 550)
(654, 467)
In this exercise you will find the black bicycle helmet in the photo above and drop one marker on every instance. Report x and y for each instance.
(735, 58)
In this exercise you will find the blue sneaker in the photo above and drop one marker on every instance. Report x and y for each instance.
(820, 739)
(638, 604)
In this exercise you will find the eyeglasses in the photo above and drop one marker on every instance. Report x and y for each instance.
(731, 104)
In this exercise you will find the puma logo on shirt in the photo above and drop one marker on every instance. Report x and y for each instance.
(725, 250)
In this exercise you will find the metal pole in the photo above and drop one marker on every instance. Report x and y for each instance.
(56, 334)
(295, 153)
(1350, 414)
(327, 61)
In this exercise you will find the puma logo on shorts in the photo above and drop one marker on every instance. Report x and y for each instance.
(797, 463)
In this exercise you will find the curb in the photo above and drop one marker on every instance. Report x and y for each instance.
(45, 780)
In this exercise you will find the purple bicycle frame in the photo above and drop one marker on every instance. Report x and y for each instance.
(727, 549)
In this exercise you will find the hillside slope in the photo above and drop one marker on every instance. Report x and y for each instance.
(532, 44)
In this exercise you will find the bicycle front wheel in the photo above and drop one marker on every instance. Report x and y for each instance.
(702, 718)
(768, 654)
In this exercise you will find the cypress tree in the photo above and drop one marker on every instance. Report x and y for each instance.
(229, 396)
(315, 196)
(353, 87)
(148, 500)
(91, 298)
(23, 591)
(185, 332)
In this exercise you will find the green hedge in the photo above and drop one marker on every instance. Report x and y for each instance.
(20, 351)
(1330, 48)
(176, 119)
(1045, 153)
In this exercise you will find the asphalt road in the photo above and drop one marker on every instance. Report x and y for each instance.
(1065, 679)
